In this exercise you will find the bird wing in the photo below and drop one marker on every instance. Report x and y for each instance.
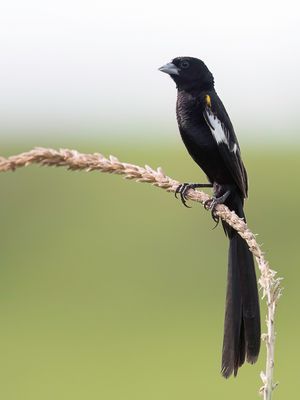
(222, 130)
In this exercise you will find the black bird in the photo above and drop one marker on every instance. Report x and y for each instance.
(209, 137)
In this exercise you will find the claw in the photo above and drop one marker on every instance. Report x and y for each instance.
(211, 204)
(177, 190)
(216, 218)
(183, 198)
(208, 204)
(184, 187)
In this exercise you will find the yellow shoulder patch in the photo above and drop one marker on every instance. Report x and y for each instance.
(208, 100)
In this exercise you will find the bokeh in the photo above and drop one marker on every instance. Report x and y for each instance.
(111, 289)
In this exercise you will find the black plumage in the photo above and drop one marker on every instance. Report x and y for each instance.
(209, 137)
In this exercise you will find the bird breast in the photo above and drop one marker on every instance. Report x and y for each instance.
(186, 110)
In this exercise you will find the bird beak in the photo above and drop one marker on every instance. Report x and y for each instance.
(170, 69)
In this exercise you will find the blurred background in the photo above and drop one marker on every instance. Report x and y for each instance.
(111, 289)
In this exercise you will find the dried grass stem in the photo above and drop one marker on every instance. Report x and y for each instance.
(73, 160)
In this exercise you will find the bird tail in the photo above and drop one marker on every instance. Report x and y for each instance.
(242, 317)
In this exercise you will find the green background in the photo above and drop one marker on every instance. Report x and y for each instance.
(111, 289)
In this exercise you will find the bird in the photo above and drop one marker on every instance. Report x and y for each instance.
(210, 139)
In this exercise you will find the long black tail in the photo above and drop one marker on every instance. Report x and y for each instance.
(242, 317)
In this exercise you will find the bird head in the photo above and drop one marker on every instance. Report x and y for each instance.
(189, 73)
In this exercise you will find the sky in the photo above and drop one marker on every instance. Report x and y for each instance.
(91, 66)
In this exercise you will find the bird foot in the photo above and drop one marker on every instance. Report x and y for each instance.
(211, 204)
(185, 187)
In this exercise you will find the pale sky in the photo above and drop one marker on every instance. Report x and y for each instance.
(78, 66)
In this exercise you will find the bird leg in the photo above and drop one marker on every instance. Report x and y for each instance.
(185, 187)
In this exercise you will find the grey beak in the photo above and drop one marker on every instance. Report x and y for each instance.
(170, 69)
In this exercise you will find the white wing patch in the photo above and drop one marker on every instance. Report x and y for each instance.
(218, 130)
(216, 127)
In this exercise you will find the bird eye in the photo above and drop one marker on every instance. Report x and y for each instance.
(184, 64)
